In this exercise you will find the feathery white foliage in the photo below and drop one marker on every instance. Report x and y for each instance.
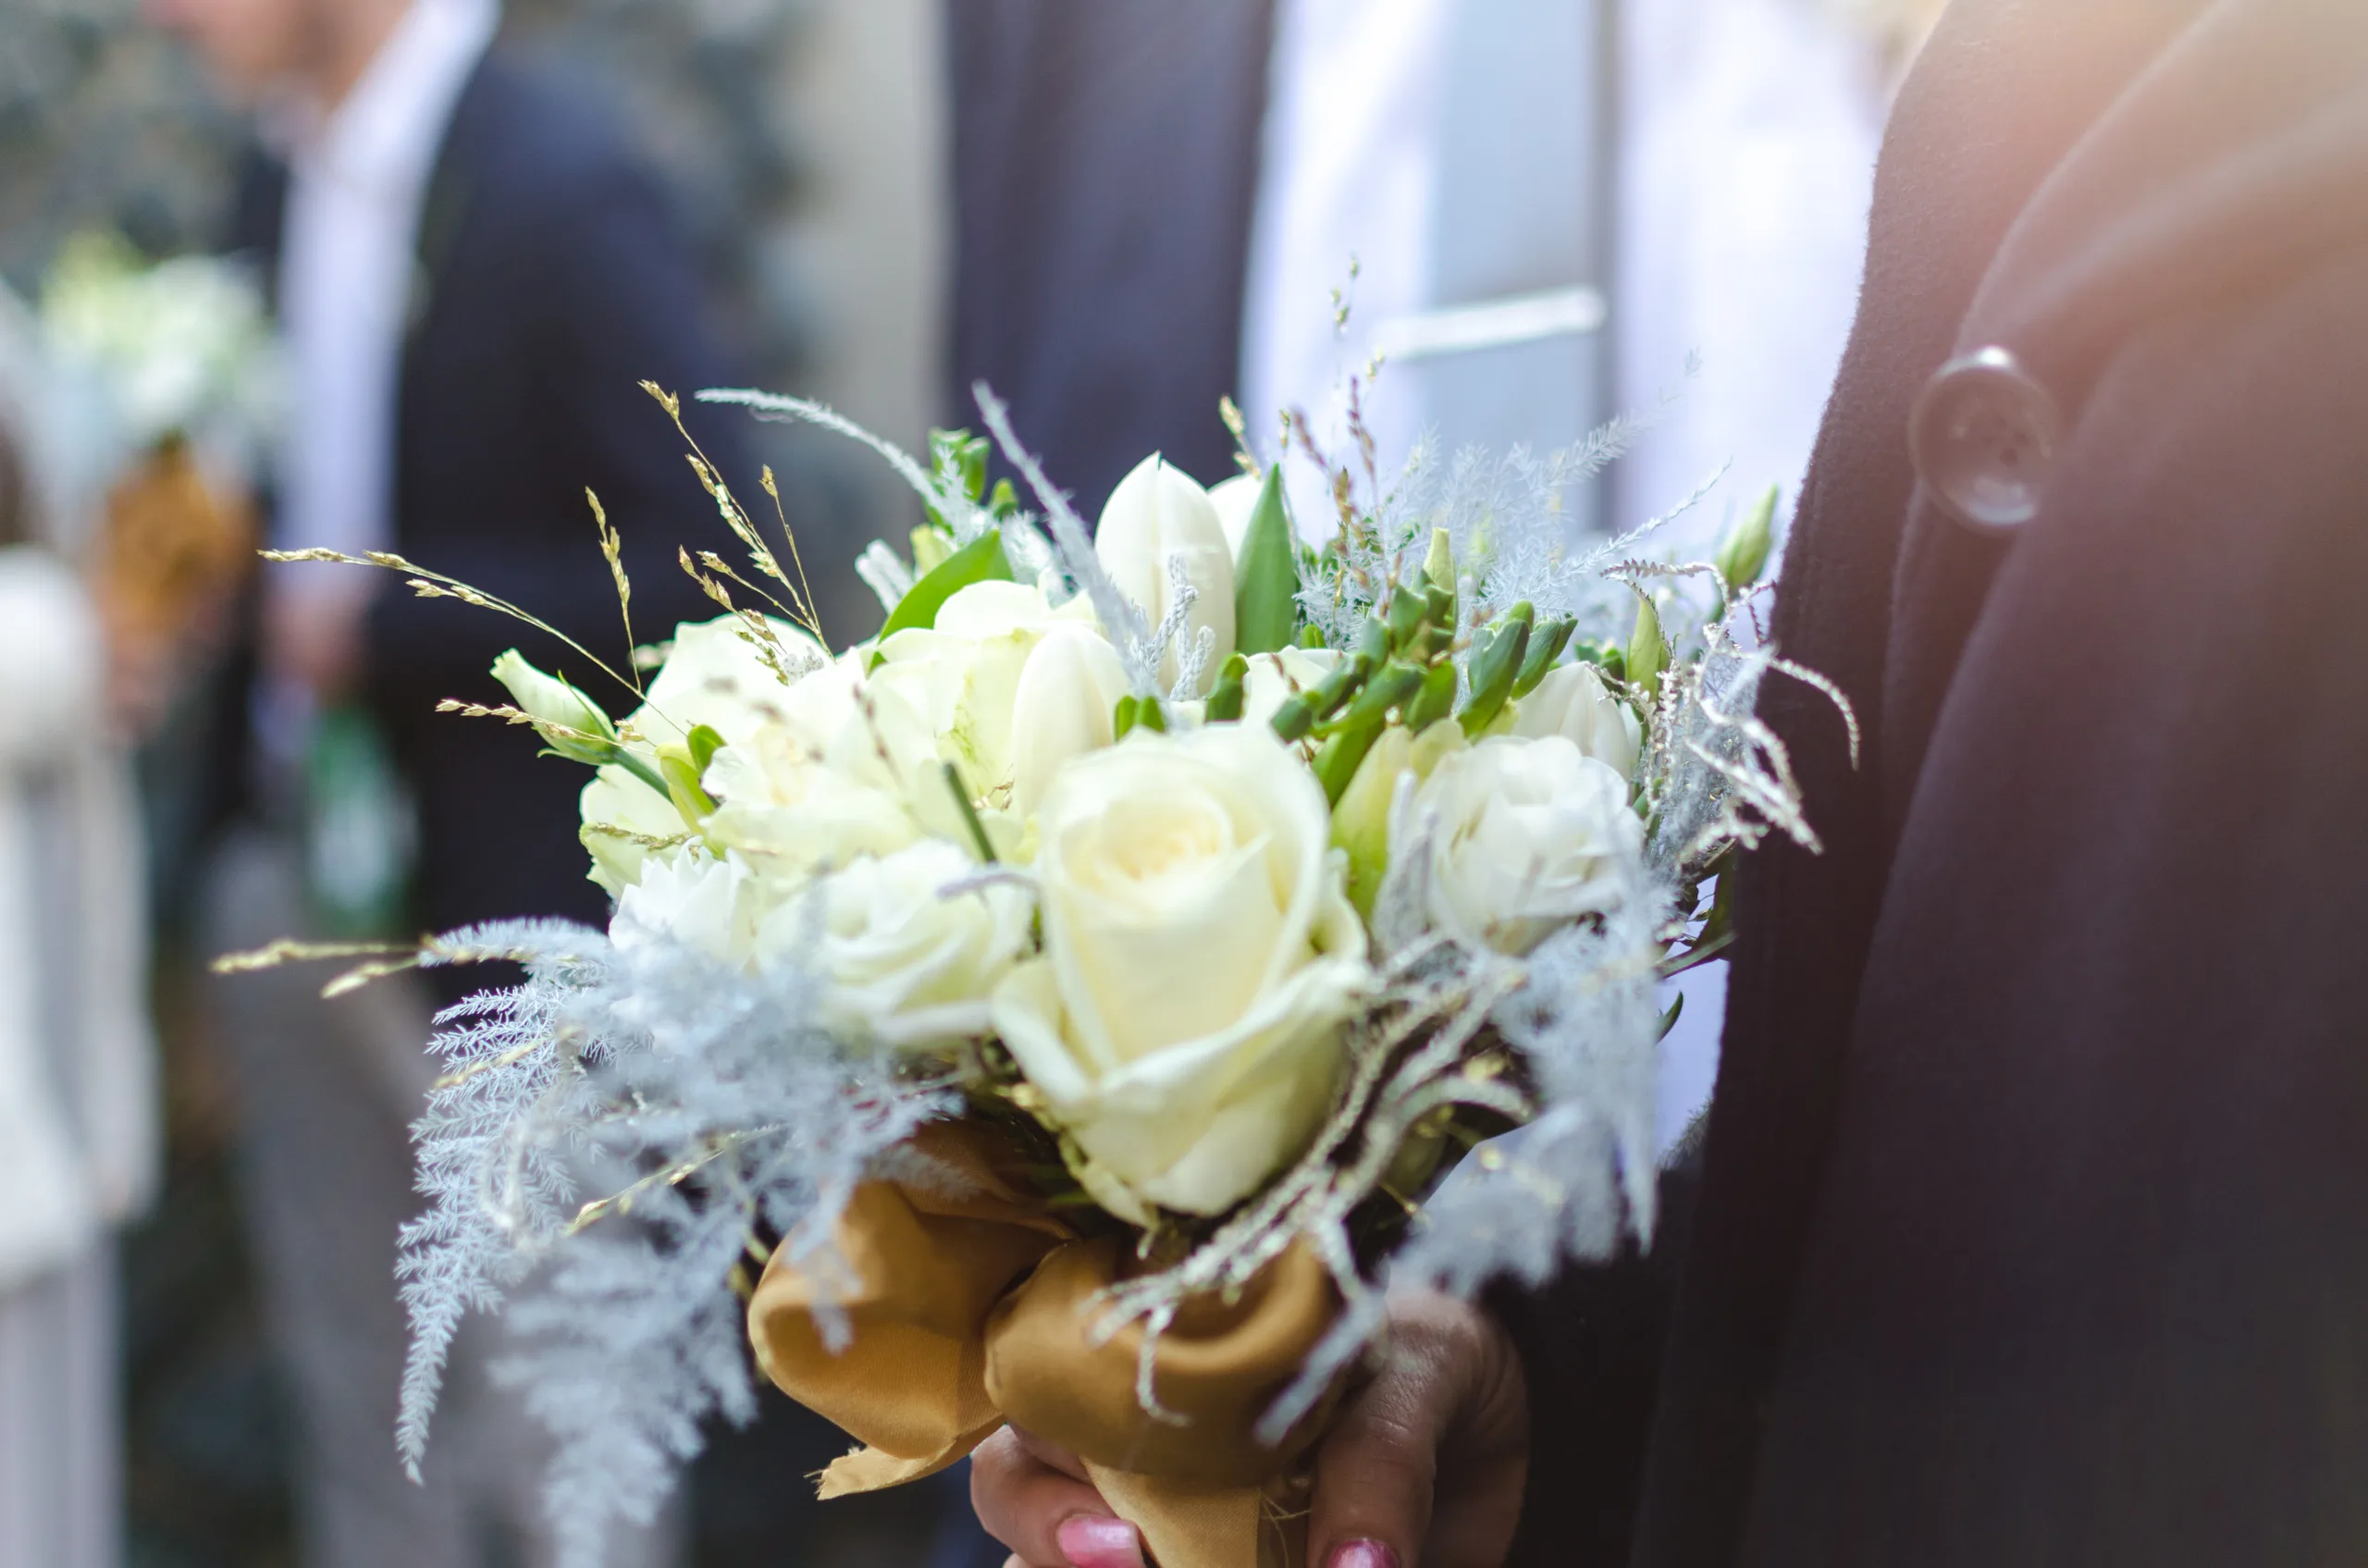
(704, 1105)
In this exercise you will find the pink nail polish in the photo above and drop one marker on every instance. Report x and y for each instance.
(1091, 1542)
(1362, 1554)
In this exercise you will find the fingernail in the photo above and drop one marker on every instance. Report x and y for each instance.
(1362, 1554)
(1089, 1541)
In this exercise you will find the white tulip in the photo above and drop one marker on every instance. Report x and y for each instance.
(1236, 500)
(1574, 702)
(1184, 1023)
(1527, 836)
(1156, 515)
(569, 721)
(965, 675)
(902, 962)
(1061, 708)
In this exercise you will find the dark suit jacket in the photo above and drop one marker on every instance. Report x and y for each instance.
(2034, 1220)
(1105, 163)
(554, 278)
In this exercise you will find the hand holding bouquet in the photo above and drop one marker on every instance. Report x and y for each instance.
(1064, 1008)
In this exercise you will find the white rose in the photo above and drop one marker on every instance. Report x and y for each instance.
(969, 674)
(714, 677)
(1156, 514)
(902, 962)
(1184, 1022)
(842, 768)
(1572, 702)
(691, 897)
(1528, 835)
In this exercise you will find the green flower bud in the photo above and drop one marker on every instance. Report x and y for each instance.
(1743, 554)
(1440, 565)
(1225, 697)
(1004, 503)
(1295, 717)
(1335, 762)
(1546, 646)
(1407, 609)
(1435, 700)
(1394, 686)
(1496, 656)
(933, 547)
(1612, 661)
(1134, 712)
(1647, 651)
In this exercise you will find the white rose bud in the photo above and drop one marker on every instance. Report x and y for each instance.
(569, 721)
(1067, 690)
(1156, 513)
(1527, 836)
(1184, 1023)
(1574, 702)
(902, 962)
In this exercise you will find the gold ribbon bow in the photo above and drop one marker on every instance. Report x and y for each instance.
(972, 1307)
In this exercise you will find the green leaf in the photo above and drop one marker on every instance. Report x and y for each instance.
(1265, 592)
(980, 561)
(704, 742)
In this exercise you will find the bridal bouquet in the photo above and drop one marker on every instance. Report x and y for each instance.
(178, 379)
(1066, 1007)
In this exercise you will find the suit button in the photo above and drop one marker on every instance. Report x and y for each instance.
(1984, 437)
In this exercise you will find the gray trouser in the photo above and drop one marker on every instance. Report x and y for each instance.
(327, 1090)
(60, 1488)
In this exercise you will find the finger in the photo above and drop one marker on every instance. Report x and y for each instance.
(1426, 1464)
(1378, 1469)
(1050, 1519)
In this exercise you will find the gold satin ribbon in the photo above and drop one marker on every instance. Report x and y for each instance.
(969, 1311)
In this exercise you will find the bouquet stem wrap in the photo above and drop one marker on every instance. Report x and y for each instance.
(970, 1306)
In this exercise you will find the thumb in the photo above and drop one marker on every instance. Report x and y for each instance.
(1424, 1467)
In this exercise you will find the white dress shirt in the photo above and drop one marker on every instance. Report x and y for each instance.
(348, 260)
(1451, 147)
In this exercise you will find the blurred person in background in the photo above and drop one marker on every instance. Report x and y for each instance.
(78, 1139)
(472, 271)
